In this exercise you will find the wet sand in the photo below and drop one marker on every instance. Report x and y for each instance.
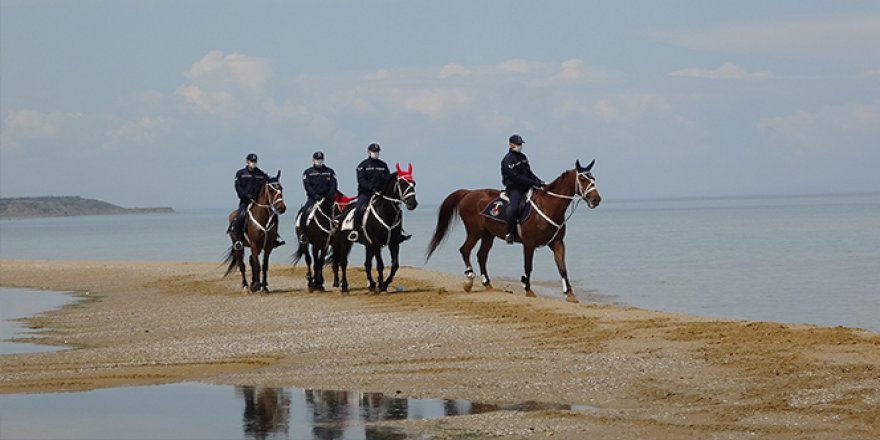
(647, 374)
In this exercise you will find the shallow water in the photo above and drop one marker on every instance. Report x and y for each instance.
(200, 411)
(808, 259)
(20, 303)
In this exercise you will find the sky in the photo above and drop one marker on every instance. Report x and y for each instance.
(157, 102)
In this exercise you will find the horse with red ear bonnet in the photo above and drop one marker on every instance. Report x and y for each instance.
(382, 226)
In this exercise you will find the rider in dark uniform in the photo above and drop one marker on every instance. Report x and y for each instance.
(517, 177)
(372, 173)
(248, 181)
(319, 181)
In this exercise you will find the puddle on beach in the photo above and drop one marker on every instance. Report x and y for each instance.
(19, 303)
(200, 411)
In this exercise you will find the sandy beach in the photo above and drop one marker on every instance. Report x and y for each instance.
(645, 374)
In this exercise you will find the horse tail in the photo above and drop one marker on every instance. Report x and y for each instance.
(300, 251)
(445, 215)
(230, 258)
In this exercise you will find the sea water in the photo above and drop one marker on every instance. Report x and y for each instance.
(804, 259)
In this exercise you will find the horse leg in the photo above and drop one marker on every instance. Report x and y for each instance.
(558, 248)
(394, 250)
(380, 268)
(239, 258)
(483, 257)
(528, 255)
(265, 283)
(335, 266)
(308, 256)
(255, 270)
(318, 277)
(465, 251)
(343, 260)
(368, 268)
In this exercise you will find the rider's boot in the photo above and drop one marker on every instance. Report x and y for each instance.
(404, 236)
(278, 242)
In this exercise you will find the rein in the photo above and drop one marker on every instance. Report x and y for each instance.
(271, 222)
(395, 205)
(580, 193)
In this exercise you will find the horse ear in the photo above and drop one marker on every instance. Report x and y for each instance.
(409, 168)
(577, 165)
(278, 176)
(591, 164)
(397, 167)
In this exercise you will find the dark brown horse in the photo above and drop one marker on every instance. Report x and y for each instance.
(322, 223)
(260, 232)
(382, 226)
(544, 227)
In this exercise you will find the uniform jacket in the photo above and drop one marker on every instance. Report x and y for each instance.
(516, 172)
(371, 175)
(319, 181)
(248, 182)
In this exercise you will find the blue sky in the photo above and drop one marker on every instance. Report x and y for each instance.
(145, 103)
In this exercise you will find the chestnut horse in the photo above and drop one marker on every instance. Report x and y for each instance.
(260, 231)
(544, 227)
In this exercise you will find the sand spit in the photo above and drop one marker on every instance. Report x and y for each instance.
(648, 374)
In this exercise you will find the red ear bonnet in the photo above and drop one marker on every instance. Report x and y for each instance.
(405, 175)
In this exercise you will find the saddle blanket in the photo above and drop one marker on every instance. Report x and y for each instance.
(348, 221)
(497, 209)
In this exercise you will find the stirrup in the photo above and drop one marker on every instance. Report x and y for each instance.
(303, 239)
(509, 238)
(237, 245)
(353, 236)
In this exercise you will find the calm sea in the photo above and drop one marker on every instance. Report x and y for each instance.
(806, 259)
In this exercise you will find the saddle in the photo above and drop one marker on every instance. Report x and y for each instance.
(497, 208)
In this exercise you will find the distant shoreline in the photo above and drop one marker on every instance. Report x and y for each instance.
(67, 206)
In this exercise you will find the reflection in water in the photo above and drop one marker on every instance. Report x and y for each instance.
(266, 412)
(200, 411)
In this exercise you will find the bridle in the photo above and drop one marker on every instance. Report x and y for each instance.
(581, 192)
(402, 196)
(273, 190)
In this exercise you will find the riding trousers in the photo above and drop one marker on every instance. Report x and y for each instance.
(513, 208)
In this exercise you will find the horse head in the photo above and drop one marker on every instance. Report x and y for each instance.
(274, 193)
(405, 187)
(586, 184)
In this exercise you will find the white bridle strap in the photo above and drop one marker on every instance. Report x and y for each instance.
(582, 194)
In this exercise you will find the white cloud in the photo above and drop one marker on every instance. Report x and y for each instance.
(726, 71)
(378, 75)
(605, 110)
(833, 128)
(250, 72)
(22, 125)
(571, 69)
(850, 37)
(519, 65)
(146, 130)
(211, 102)
(453, 69)
(433, 102)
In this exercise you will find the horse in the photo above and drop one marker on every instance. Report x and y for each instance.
(320, 227)
(381, 227)
(547, 228)
(260, 231)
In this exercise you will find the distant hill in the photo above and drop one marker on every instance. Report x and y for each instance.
(20, 207)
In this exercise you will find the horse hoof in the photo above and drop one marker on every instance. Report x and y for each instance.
(571, 298)
(530, 294)
(488, 286)
(311, 289)
(468, 285)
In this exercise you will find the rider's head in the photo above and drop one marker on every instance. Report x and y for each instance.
(373, 150)
(318, 159)
(251, 161)
(515, 142)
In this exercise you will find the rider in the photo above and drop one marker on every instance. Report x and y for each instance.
(372, 173)
(319, 181)
(248, 181)
(517, 177)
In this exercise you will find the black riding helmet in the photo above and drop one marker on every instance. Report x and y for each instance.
(318, 155)
(516, 140)
(374, 147)
(251, 157)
